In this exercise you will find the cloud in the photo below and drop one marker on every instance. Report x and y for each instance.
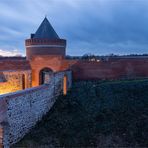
(8, 53)
(96, 26)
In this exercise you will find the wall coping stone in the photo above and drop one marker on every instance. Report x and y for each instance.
(9, 96)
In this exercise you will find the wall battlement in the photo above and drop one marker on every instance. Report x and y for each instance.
(29, 42)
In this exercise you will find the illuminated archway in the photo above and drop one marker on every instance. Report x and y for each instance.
(45, 75)
(65, 85)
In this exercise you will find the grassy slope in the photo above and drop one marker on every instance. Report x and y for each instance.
(96, 114)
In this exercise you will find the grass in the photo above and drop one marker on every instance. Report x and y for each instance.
(95, 114)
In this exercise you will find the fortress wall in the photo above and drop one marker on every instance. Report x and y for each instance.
(15, 64)
(11, 81)
(111, 69)
(39, 62)
(23, 109)
(119, 68)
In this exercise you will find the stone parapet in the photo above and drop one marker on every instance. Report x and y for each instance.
(20, 111)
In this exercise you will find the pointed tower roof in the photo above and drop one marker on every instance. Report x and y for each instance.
(45, 30)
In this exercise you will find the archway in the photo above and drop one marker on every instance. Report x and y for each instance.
(45, 75)
(65, 85)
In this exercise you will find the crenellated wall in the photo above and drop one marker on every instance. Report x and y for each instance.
(20, 111)
(11, 81)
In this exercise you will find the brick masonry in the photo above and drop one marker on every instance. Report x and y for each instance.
(39, 62)
(20, 111)
(31, 50)
(111, 69)
(14, 64)
(91, 70)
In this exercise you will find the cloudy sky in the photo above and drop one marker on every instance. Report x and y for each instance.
(90, 26)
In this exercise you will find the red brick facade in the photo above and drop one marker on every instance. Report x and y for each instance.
(87, 70)
(45, 47)
(40, 62)
(10, 64)
(112, 69)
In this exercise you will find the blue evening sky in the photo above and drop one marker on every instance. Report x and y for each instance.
(90, 26)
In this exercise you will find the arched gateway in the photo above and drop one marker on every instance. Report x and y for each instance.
(45, 75)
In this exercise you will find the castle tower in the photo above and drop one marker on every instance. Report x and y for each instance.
(45, 42)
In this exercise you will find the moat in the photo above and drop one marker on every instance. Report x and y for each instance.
(95, 114)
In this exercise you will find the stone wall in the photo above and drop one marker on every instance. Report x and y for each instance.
(23, 109)
(11, 81)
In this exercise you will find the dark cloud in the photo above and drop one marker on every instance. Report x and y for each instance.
(90, 26)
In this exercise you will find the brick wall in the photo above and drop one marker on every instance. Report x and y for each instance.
(15, 64)
(39, 62)
(111, 69)
(91, 70)
(23, 109)
(32, 50)
(11, 81)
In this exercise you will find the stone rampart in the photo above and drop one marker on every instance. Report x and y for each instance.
(20, 111)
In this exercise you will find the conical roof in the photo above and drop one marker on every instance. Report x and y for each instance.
(45, 30)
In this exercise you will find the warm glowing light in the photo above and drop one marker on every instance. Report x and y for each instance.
(65, 85)
(6, 87)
